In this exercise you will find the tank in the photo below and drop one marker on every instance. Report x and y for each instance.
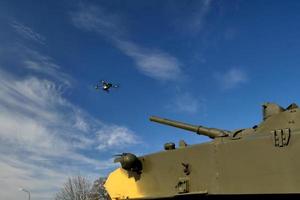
(258, 161)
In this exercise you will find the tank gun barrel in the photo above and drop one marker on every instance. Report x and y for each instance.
(201, 130)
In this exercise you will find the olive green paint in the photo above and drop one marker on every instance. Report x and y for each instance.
(259, 160)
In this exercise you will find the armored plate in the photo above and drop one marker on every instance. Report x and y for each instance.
(262, 160)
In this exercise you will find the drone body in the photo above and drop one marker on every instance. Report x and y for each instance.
(106, 86)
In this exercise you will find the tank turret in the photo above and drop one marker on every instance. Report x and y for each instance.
(255, 162)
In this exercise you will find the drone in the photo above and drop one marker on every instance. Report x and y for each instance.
(106, 86)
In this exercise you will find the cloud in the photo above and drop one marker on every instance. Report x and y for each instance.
(197, 19)
(15, 174)
(44, 137)
(186, 103)
(28, 33)
(232, 78)
(154, 63)
(188, 16)
(112, 136)
(93, 18)
(37, 62)
(19, 56)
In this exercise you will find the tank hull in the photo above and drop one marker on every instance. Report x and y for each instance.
(250, 165)
(259, 161)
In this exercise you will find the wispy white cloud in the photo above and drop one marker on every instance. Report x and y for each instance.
(232, 78)
(81, 123)
(189, 16)
(40, 63)
(111, 136)
(16, 172)
(28, 33)
(21, 56)
(27, 136)
(197, 19)
(186, 103)
(154, 63)
(94, 18)
(42, 136)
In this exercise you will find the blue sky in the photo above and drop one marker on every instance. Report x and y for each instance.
(208, 62)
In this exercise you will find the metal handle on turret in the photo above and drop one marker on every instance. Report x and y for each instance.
(201, 130)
